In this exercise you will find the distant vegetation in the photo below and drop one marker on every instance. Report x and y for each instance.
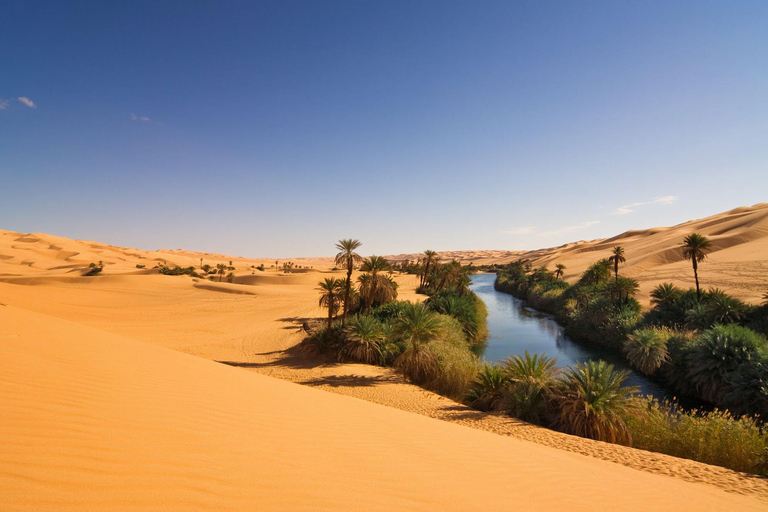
(704, 345)
(94, 269)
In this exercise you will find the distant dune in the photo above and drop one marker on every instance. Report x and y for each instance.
(738, 262)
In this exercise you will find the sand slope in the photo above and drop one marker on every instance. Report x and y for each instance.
(93, 420)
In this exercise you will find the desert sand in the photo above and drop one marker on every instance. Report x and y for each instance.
(134, 390)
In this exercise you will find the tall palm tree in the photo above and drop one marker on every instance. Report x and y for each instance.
(330, 296)
(221, 269)
(559, 268)
(375, 285)
(417, 326)
(616, 258)
(430, 257)
(695, 247)
(347, 258)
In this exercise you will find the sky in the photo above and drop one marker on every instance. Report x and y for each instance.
(273, 129)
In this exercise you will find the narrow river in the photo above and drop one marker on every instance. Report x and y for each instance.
(515, 328)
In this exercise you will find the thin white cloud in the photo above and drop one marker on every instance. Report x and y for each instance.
(569, 229)
(134, 117)
(3, 104)
(28, 102)
(520, 231)
(623, 210)
(144, 118)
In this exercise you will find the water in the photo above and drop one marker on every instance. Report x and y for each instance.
(515, 328)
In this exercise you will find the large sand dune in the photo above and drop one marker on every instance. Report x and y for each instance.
(97, 421)
(97, 413)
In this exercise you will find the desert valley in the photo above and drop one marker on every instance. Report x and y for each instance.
(197, 392)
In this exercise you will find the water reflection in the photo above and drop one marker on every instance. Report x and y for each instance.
(516, 328)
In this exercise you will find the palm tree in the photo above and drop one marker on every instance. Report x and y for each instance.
(616, 258)
(417, 326)
(347, 258)
(221, 269)
(695, 247)
(559, 268)
(462, 284)
(362, 340)
(533, 379)
(330, 296)
(665, 296)
(595, 403)
(375, 285)
(646, 349)
(487, 391)
(622, 289)
(430, 257)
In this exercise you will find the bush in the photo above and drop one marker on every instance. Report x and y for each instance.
(138, 265)
(94, 269)
(489, 387)
(468, 309)
(533, 384)
(728, 366)
(594, 403)
(363, 336)
(646, 349)
(178, 271)
(714, 437)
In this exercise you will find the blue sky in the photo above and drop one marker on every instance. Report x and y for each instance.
(276, 128)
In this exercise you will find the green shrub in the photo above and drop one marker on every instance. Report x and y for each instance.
(594, 403)
(646, 349)
(488, 390)
(714, 437)
(728, 366)
(363, 336)
(94, 269)
(533, 384)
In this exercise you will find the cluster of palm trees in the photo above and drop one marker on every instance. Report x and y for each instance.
(587, 399)
(375, 284)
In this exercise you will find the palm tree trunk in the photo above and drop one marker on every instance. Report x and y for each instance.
(696, 276)
(330, 312)
(346, 292)
(616, 269)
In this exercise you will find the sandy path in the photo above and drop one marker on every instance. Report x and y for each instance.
(92, 420)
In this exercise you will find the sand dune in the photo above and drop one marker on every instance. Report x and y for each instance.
(97, 413)
(93, 420)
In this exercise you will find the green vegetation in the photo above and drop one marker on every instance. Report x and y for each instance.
(178, 271)
(347, 258)
(94, 269)
(431, 344)
(712, 437)
(704, 345)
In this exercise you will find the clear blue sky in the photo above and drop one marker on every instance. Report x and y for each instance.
(276, 128)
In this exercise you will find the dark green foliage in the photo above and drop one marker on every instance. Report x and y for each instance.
(728, 366)
(468, 309)
(138, 265)
(178, 271)
(94, 269)
(489, 388)
(533, 387)
(595, 403)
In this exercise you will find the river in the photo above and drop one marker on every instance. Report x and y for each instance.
(515, 328)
